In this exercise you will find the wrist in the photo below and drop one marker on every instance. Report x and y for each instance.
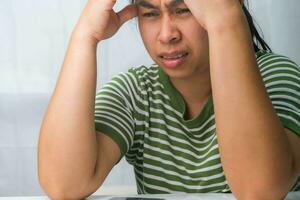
(228, 20)
(84, 39)
(82, 45)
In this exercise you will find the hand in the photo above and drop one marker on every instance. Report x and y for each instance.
(99, 21)
(208, 12)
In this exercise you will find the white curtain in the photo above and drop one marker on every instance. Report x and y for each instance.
(33, 39)
(280, 22)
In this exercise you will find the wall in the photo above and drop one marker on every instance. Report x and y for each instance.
(33, 39)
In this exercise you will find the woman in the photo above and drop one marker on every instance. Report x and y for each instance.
(214, 114)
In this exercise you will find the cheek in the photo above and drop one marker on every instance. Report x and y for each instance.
(148, 36)
(197, 37)
(192, 32)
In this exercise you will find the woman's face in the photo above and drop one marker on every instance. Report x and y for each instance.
(173, 37)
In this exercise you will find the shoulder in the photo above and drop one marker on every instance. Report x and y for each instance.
(145, 78)
(134, 84)
(268, 61)
(281, 77)
(278, 69)
(133, 77)
(142, 73)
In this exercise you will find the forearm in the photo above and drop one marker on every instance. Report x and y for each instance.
(254, 148)
(68, 145)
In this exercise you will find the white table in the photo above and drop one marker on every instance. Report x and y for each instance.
(210, 196)
(291, 196)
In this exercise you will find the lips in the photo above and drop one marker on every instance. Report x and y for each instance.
(173, 59)
(173, 55)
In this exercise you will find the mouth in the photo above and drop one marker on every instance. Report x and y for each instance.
(173, 55)
(173, 59)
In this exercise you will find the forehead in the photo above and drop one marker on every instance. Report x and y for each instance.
(158, 3)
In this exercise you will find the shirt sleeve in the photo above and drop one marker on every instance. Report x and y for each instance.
(282, 81)
(113, 112)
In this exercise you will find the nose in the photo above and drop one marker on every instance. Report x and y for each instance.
(169, 32)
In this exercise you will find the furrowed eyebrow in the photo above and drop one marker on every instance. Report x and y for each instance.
(175, 3)
(146, 4)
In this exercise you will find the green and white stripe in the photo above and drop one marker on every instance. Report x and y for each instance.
(144, 114)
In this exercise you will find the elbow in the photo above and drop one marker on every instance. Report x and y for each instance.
(261, 194)
(63, 196)
(55, 194)
(57, 191)
(60, 190)
(271, 185)
(61, 193)
(263, 190)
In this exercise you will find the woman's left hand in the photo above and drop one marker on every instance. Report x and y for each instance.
(210, 12)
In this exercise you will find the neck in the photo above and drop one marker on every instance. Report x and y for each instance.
(195, 89)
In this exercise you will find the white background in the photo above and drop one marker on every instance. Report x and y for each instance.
(33, 39)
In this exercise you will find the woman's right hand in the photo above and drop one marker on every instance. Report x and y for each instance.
(99, 21)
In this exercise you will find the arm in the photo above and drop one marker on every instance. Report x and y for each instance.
(73, 160)
(246, 120)
(258, 157)
(68, 148)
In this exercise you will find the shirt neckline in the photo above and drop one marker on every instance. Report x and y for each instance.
(179, 104)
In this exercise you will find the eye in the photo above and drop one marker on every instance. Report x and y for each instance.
(150, 14)
(182, 11)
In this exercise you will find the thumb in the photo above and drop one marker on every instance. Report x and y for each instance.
(127, 13)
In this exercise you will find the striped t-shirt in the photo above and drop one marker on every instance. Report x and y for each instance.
(145, 115)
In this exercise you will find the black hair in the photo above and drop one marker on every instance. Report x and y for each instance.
(258, 41)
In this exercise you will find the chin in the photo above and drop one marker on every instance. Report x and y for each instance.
(178, 74)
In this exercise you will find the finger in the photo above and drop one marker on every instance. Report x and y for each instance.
(109, 5)
(127, 13)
